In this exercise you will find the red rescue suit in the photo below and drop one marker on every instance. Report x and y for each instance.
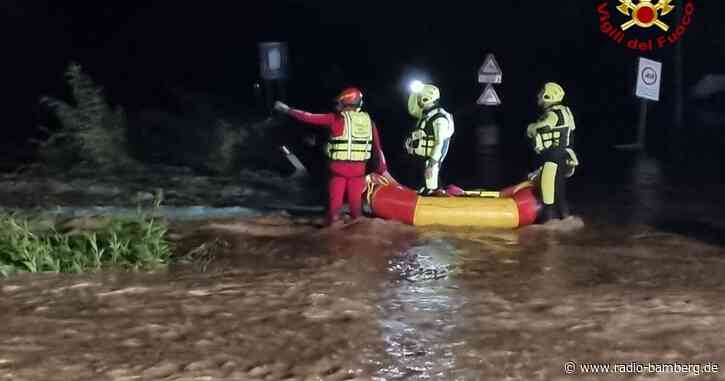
(346, 177)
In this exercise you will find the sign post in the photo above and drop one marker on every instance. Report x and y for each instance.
(649, 83)
(273, 64)
(487, 131)
(649, 80)
(489, 73)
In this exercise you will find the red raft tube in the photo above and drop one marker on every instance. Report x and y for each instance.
(509, 208)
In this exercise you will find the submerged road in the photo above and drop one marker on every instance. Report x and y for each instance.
(641, 283)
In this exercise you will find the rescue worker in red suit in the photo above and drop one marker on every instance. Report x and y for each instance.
(353, 141)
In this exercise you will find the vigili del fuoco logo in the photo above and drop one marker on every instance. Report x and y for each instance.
(645, 25)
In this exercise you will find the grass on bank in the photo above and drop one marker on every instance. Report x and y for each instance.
(131, 243)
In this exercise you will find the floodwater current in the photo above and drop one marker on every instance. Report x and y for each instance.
(637, 277)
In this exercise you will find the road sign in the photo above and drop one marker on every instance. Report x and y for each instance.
(273, 60)
(489, 97)
(490, 71)
(649, 79)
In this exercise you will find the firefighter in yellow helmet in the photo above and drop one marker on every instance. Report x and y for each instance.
(551, 137)
(431, 137)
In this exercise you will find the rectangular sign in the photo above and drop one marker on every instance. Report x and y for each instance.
(489, 78)
(649, 79)
(273, 60)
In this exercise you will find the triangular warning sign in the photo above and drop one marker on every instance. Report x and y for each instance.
(489, 97)
(490, 71)
(490, 66)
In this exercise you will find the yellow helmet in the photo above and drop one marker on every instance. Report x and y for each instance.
(428, 96)
(550, 94)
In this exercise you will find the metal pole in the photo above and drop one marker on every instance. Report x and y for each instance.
(268, 94)
(642, 125)
(282, 90)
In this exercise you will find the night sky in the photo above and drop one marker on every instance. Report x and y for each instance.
(140, 52)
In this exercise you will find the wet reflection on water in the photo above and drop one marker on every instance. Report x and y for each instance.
(647, 183)
(420, 310)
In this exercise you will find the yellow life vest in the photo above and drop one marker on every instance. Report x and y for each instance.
(554, 130)
(422, 140)
(356, 141)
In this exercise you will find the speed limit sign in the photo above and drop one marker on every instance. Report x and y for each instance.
(649, 79)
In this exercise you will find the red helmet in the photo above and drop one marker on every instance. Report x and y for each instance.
(350, 97)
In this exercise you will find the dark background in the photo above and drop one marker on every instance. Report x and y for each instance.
(141, 53)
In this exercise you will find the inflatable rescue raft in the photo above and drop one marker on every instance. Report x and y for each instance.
(510, 208)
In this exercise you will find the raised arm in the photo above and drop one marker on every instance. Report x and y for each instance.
(315, 119)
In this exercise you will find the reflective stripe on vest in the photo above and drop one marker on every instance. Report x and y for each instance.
(558, 135)
(355, 143)
(423, 138)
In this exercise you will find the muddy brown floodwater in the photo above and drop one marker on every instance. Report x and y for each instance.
(279, 299)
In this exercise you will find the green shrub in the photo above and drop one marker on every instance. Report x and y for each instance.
(92, 133)
(128, 243)
(227, 141)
